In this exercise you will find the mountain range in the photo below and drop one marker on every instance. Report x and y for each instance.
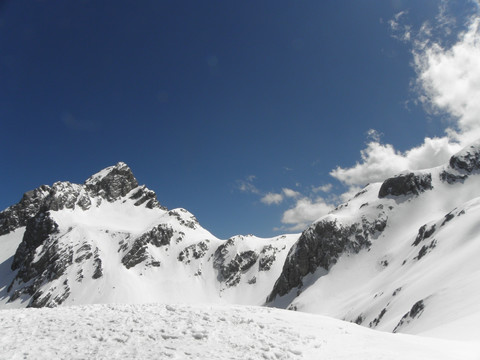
(400, 256)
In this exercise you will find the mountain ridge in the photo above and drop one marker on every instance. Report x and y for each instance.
(383, 259)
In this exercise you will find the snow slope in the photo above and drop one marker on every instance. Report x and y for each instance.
(155, 331)
(401, 256)
(110, 241)
(410, 257)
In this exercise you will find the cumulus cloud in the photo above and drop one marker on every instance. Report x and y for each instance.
(447, 83)
(380, 161)
(291, 193)
(449, 79)
(272, 198)
(304, 212)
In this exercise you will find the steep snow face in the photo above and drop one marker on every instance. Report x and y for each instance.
(400, 256)
(109, 240)
(154, 331)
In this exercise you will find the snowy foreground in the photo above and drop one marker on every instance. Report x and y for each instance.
(155, 331)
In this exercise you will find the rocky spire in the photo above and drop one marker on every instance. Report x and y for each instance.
(112, 183)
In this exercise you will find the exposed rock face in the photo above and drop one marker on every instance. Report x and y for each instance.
(17, 215)
(194, 251)
(138, 253)
(415, 312)
(406, 184)
(40, 259)
(467, 160)
(117, 182)
(39, 228)
(320, 246)
(462, 164)
(267, 258)
(230, 271)
(110, 184)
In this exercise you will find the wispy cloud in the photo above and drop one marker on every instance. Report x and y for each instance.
(247, 185)
(326, 188)
(374, 135)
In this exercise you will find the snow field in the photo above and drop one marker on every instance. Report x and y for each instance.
(156, 331)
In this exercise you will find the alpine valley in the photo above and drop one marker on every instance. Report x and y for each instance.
(401, 256)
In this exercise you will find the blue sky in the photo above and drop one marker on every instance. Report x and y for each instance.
(236, 111)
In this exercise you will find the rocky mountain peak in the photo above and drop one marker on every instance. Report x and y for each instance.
(113, 182)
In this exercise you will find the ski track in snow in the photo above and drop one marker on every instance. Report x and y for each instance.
(155, 331)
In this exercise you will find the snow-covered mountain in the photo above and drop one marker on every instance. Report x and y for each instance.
(109, 240)
(401, 256)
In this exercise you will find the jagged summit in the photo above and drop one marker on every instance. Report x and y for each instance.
(110, 240)
(110, 184)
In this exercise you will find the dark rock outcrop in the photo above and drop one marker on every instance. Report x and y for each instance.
(267, 258)
(320, 246)
(147, 197)
(194, 251)
(462, 164)
(40, 258)
(17, 215)
(230, 272)
(450, 178)
(406, 184)
(113, 183)
(467, 160)
(38, 229)
(158, 236)
(424, 233)
(415, 312)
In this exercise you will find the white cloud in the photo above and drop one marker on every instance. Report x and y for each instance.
(247, 185)
(374, 135)
(272, 198)
(291, 193)
(449, 80)
(322, 188)
(380, 161)
(447, 83)
(304, 212)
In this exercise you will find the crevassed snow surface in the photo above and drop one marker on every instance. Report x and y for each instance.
(156, 331)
